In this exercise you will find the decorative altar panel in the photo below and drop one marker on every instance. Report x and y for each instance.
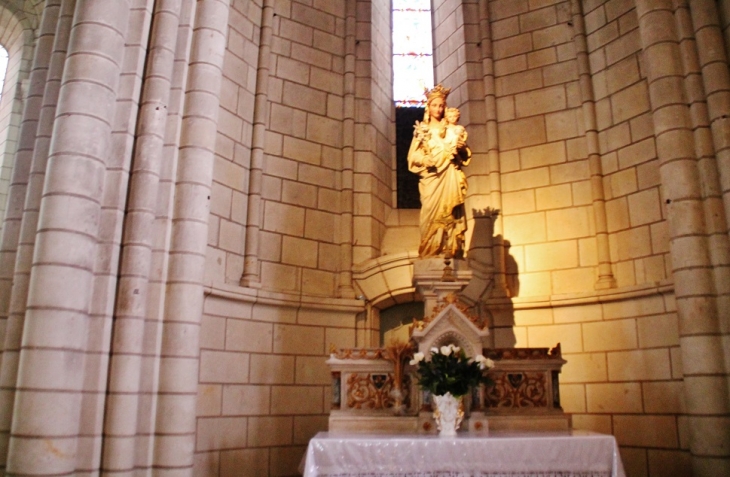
(499, 454)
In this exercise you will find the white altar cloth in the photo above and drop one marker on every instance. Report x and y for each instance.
(500, 454)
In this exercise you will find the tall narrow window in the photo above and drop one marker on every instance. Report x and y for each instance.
(412, 51)
(3, 68)
(412, 73)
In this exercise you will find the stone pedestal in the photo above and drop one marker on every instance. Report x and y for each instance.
(434, 280)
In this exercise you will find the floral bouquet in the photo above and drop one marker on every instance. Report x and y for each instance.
(450, 371)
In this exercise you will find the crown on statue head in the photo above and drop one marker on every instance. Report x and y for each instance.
(438, 91)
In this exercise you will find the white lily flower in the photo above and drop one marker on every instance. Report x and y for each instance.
(484, 363)
(446, 350)
(434, 350)
(417, 358)
(455, 349)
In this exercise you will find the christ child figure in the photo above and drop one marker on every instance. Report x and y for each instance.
(452, 116)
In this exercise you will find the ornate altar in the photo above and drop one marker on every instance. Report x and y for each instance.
(525, 396)
(376, 390)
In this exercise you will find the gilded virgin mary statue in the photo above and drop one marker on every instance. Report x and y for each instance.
(438, 153)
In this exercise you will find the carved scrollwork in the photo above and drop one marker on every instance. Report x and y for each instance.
(498, 354)
(452, 299)
(517, 390)
(370, 391)
(359, 353)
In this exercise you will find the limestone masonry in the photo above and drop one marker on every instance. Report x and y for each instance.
(199, 202)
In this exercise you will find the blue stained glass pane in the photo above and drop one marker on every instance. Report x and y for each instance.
(411, 75)
(412, 32)
(412, 4)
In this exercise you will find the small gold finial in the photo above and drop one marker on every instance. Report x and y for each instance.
(448, 275)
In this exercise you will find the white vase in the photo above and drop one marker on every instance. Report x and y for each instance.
(448, 413)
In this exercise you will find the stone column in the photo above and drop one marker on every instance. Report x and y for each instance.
(175, 420)
(251, 267)
(47, 414)
(120, 426)
(10, 335)
(723, 7)
(348, 153)
(605, 274)
(495, 173)
(28, 128)
(162, 231)
(692, 42)
(704, 382)
(713, 61)
(716, 81)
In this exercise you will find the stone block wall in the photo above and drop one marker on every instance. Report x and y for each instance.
(547, 196)
(300, 202)
(374, 135)
(264, 387)
(228, 208)
(624, 373)
(636, 220)
(263, 384)
(548, 219)
(574, 108)
(303, 156)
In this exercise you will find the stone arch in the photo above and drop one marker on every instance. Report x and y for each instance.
(451, 337)
(18, 23)
(386, 281)
(381, 283)
(27, 12)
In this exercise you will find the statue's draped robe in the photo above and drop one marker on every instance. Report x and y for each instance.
(442, 188)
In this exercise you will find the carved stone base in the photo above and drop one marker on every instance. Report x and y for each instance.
(478, 423)
(345, 422)
(531, 422)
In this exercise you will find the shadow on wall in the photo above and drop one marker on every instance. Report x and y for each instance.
(495, 278)
(512, 273)
(399, 315)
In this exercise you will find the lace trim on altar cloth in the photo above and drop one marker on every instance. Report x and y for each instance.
(447, 473)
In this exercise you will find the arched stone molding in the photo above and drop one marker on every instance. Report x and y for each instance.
(28, 12)
(451, 326)
(451, 337)
(381, 283)
(18, 22)
(386, 281)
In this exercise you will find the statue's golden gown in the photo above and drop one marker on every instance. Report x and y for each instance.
(442, 188)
